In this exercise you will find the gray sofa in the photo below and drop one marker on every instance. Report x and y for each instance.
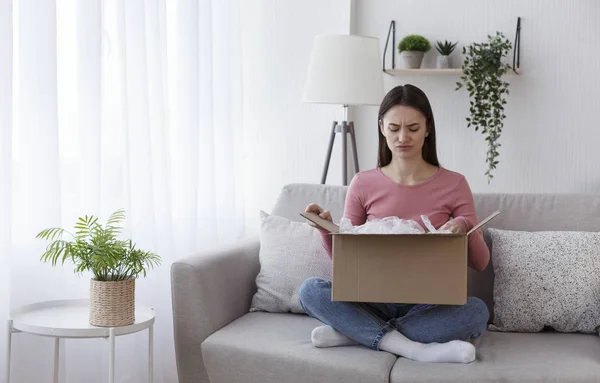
(217, 338)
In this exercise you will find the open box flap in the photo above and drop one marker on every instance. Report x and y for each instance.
(484, 221)
(334, 229)
(323, 223)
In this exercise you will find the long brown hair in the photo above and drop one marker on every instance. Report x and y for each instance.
(408, 95)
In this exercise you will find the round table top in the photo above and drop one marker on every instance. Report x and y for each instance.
(70, 319)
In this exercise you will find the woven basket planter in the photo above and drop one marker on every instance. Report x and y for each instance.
(112, 304)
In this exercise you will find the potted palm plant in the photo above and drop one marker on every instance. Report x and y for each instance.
(445, 49)
(114, 263)
(412, 48)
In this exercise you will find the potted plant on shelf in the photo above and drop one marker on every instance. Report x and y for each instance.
(114, 263)
(482, 77)
(445, 49)
(412, 48)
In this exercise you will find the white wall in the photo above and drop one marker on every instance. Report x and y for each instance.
(551, 137)
(285, 139)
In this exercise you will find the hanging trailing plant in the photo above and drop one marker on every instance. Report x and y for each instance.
(482, 77)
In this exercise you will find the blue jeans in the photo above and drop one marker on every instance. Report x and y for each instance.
(367, 323)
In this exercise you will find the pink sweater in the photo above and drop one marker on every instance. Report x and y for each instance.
(447, 194)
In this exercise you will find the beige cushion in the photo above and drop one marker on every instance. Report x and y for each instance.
(274, 348)
(290, 253)
(515, 357)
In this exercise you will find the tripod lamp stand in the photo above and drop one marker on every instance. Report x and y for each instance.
(344, 70)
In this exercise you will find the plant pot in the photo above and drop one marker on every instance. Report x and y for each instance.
(443, 62)
(112, 304)
(412, 59)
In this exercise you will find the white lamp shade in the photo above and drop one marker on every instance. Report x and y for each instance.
(344, 69)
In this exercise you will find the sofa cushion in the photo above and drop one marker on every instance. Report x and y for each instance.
(515, 357)
(275, 347)
(546, 278)
(290, 253)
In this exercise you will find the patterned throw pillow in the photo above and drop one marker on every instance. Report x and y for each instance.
(546, 278)
(290, 253)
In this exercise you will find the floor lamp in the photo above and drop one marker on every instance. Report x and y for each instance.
(344, 70)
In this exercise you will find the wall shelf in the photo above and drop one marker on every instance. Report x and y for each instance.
(516, 64)
(432, 72)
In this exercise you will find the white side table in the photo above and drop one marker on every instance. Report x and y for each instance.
(70, 319)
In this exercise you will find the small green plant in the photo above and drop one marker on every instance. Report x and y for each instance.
(482, 76)
(446, 48)
(414, 43)
(97, 249)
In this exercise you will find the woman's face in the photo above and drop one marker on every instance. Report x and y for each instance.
(405, 129)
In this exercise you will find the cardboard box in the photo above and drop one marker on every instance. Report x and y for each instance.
(399, 268)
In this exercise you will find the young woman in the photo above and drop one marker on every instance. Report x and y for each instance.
(407, 182)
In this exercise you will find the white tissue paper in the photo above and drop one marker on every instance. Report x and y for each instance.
(389, 225)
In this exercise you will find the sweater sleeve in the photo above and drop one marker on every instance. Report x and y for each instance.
(354, 209)
(465, 215)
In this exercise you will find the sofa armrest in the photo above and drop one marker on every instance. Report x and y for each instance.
(210, 290)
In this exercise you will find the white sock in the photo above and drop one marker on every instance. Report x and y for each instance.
(455, 351)
(327, 336)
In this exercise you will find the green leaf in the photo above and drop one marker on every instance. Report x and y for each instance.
(116, 217)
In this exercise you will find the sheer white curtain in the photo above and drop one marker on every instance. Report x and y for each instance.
(5, 155)
(108, 104)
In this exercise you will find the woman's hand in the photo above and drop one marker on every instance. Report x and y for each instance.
(314, 208)
(454, 227)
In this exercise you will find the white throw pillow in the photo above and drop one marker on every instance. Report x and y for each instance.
(546, 278)
(290, 253)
